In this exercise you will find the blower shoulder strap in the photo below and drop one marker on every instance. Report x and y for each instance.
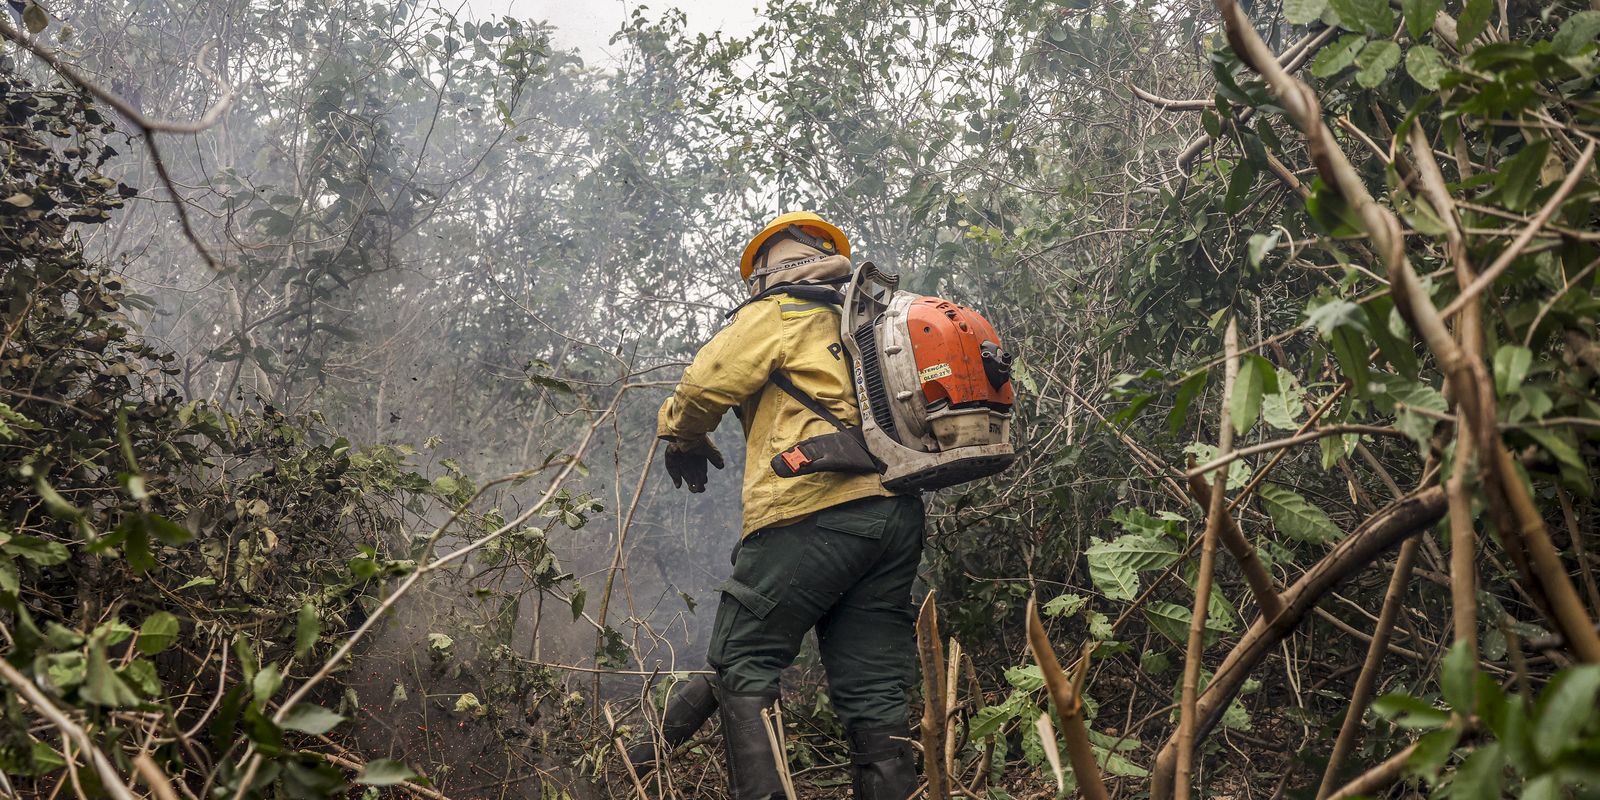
(815, 292)
(804, 398)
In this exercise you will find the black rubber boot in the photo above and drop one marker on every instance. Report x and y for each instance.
(752, 772)
(882, 764)
(691, 704)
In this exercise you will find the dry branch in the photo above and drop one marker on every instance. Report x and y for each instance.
(1262, 586)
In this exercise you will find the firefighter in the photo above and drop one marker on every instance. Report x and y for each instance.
(830, 551)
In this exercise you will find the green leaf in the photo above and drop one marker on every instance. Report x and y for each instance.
(1240, 180)
(1426, 66)
(1456, 677)
(1260, 244)
(9, 579)
(1154, 662)
(1247, 389)
(34, 17)
(1064, 605)
(1518, 177)
(169, 532)
(1282, 409)
(1409, 712)
(1559, 444)
(1187, 392)
(1172, 621)
(1578, 32)
(1375, 61)
(1481, 775)
(157, 633)
(1367, 16)
(384, 772)
(1473, 21)
(1399, 395)
(1511, 363)
(1239, 471)
(101, 684)
(307, 627)
(1303, 12)
(55, 503)
(1419, 15)
(141, 675)
(201, 581)
(1432, 751)
(312, 719)
(66, 670)
(43, 552)
(576, 602)
(1565, 707)
(1338, 55)
(265, 685)
(1296, 516)
(1114, 565)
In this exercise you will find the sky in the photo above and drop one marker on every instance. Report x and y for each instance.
(588, 24)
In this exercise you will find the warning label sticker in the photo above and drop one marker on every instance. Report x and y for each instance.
(935, 372)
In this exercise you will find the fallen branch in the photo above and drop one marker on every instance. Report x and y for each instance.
(1377, 534)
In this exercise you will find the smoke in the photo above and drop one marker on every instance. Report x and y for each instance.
(454, 240)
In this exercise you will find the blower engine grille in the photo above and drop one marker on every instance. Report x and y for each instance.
(872, 376)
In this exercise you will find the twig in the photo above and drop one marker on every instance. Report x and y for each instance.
(154, 777)
(1291, 441)
(1168, 104)
(1195, 650)
(1575, 174)
(622, 750)
(146, 124)
(406, 786)
(1361, 693)
(1574, 533)
(1374, 780)
(616, 556)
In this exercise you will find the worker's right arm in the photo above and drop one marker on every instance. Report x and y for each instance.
(734, 365)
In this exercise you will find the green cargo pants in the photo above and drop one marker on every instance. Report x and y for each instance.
(846, 571)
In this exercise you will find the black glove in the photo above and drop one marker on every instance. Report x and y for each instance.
(686, 462)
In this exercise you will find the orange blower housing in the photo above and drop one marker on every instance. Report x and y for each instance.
(958, 356)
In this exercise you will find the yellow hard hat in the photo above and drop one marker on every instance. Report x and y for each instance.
(808, 224)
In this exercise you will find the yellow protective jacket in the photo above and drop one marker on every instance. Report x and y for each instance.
(800, 337)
